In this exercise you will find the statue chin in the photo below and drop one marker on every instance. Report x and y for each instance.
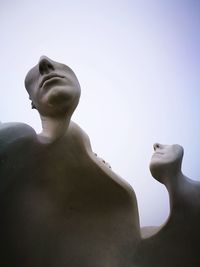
(59, 100)
(157, 171)
(59, 96)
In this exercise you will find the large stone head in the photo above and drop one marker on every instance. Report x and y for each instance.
(53, 88)
(166, 161)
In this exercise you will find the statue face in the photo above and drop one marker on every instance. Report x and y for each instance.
(166, 159)
(53, 88)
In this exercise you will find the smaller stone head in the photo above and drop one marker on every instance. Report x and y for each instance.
(166, 161)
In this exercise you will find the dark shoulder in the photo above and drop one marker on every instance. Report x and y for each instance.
(10, 132)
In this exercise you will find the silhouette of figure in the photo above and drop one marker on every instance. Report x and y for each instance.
(60, 205)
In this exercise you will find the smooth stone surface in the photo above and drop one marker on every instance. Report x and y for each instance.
(60, 205)
(177, 242)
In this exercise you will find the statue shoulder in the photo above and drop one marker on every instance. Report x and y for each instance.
(10, 132)
(84, 139)
(80, 135)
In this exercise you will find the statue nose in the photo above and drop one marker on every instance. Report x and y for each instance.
(45, 65)
(156, 146)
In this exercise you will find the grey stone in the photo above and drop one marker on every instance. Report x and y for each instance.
(60, 204)
(176, 243)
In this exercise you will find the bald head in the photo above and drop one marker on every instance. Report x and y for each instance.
(53, 88)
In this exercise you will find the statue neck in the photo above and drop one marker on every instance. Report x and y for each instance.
(53, 128)
(177, 186)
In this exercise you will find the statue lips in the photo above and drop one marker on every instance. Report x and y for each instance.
(49, 77)
(158, 153)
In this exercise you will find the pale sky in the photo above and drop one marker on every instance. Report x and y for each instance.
(138, 65)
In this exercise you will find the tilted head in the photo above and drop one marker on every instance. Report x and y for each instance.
(53, 88)
(166, 161)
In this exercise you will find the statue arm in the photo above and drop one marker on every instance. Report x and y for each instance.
(12, 137)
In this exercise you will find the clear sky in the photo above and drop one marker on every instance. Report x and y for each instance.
(138, 63)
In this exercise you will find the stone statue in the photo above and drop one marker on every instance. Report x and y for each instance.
(176, 243)
(60, 205)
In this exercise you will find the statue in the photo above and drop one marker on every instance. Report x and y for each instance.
(176, 243)
(60, 205)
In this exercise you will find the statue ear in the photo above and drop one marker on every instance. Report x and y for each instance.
(32, 105)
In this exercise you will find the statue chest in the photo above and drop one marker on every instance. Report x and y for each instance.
(59, 204)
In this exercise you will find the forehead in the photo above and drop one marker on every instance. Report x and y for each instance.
(30, 74)
(173, 149)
